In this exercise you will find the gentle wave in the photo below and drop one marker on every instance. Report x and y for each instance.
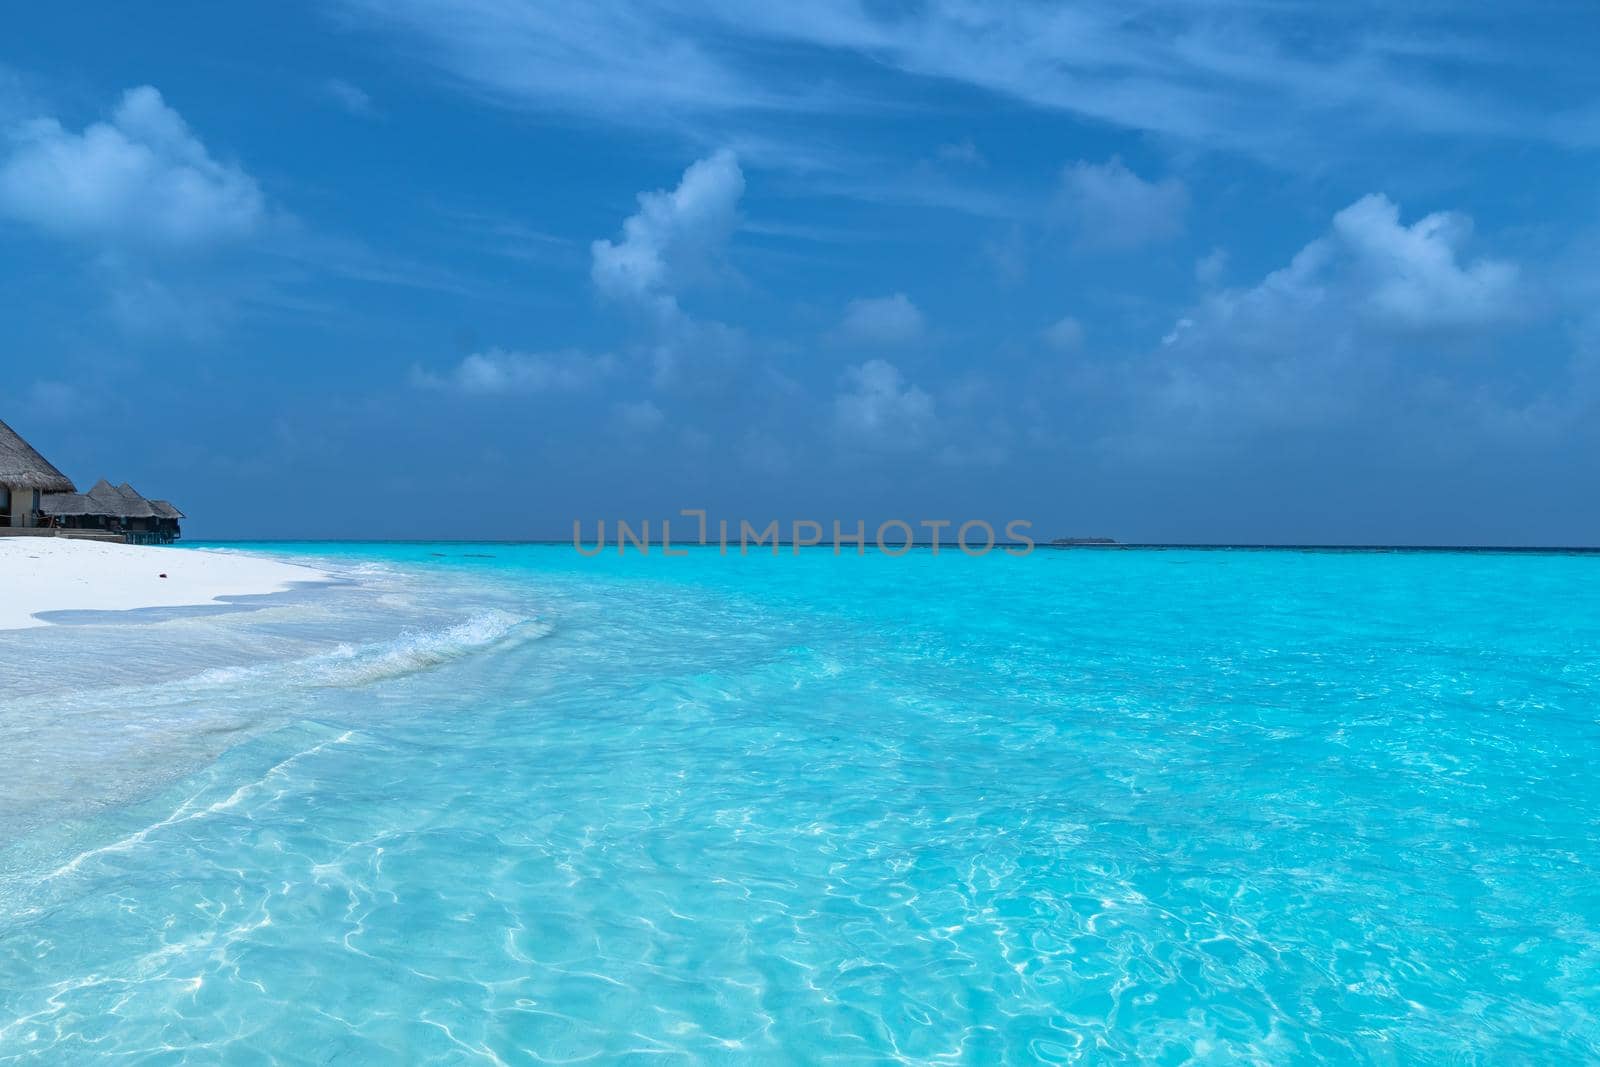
(409, 653)
(413, 652)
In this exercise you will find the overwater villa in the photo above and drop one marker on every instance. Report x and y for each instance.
(37, 498)
(113, 509)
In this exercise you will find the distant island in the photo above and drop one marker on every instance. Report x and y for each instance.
(1083, 542)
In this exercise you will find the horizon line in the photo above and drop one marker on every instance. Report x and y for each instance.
(1038, 546)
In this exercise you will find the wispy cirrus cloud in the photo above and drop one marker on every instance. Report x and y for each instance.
(498, 372)
(1245, 77)
(624, 62)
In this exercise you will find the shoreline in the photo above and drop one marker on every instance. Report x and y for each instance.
(49, 574)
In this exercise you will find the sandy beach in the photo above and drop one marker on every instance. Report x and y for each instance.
(44, 574)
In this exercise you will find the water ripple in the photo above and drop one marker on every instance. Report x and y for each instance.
(1132, 807)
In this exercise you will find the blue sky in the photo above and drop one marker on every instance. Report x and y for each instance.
(1220, 271)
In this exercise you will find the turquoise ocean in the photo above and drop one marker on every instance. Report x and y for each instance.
(506, 804)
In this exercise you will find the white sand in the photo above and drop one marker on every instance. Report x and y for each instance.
(57, 574)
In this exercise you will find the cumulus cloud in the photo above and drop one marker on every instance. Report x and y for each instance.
(882, 320)
(497, 372)
(1109, 206)
(675, 237)
(1411, 276)
(674, 241)
(1370, 271)
(878, 407)
(1358, 317)
(140, 179)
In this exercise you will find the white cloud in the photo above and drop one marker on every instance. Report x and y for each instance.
(1230, 76)
(674, 241)
(141, 179)
(499, 372)
(1110, 206)
(675, 237)
(1065, 334)
(883, 320)
(1369, 271)
(878, 407)
(1409, 276)
(1359, 316)
(626, 65)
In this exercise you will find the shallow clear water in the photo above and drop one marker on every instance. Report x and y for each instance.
(503, 804)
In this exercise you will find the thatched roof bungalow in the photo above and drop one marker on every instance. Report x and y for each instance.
(34, 493)
(25, 476)
(116, 508)
(102, 500)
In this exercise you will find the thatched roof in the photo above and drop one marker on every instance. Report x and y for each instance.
(23, 468)
(116, 501)
(135, 506)
(112, 501)
(104, 498)
(67, 504)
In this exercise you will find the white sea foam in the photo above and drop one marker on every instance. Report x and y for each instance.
(350, 665)
(412, 652)
(93, 744)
